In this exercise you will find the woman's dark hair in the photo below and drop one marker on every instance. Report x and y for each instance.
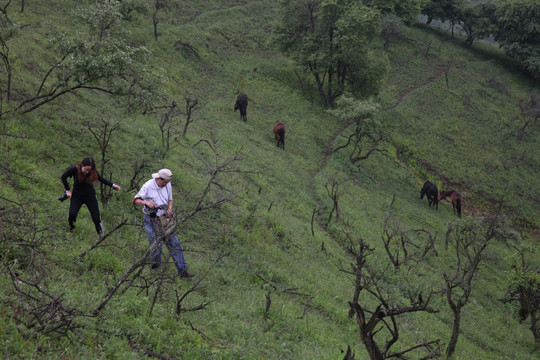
(88, 162)
(92, 175)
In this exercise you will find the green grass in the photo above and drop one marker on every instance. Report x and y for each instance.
(462, 137)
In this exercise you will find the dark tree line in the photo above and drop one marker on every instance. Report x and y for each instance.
(515, 25)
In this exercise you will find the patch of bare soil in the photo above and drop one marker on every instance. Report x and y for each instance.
(470, 209)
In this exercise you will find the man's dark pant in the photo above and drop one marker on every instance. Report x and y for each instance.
(172, 244)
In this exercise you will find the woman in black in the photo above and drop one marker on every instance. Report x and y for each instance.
(84, 175)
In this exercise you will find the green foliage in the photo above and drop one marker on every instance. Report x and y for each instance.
(407, 10)
(517, 29)
(351, 110)
(333, 41)
(273, 233)
(391, 28)
(474, 19)
(129, 8)
(441, 9)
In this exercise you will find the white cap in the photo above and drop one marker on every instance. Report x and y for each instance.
(164, 174)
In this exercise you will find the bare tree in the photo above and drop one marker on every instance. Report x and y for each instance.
(166, 117)
(403, 246)
(40, 310)
(469, 241)
(101, 239)
(166, 123)
(187, 49)
(280, 289)
(364, 144)
(213, 195)
(530, 112)
(138, 174)
(159, 5)
(386, 312)
(103, 133)
(179, 308)
(98, 58)
(9, 30)
(367, 137)
(446, 68)
(192, 104)
(332, 189)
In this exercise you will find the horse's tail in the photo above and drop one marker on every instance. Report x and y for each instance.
(458, 206)
(282, 136)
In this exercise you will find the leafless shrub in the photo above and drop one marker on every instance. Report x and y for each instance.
(386, 309)
(469, 241)
(404, 246)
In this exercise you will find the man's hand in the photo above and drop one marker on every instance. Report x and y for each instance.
(150, 204)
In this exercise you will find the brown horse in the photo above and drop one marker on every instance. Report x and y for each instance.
(456, 199)
(279, 133)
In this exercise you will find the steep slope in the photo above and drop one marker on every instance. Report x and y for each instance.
(271, 269)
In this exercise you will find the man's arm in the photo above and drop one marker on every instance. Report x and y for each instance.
(139, 201)
(169, 209)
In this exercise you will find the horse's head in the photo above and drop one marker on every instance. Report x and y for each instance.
(444, 194)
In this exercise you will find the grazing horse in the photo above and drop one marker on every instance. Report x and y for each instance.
(279, 133)
(241, 104)
(430, 190)
(456, 199)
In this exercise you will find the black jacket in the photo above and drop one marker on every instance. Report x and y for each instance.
(81, 188)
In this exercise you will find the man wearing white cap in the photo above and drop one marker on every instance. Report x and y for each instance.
(156, 198)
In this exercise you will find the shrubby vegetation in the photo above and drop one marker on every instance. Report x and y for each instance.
(513, 24)
(321, 251)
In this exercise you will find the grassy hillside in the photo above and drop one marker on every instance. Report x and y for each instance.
(271, 271)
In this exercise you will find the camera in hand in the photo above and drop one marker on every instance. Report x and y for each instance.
(62, 197)
(152, 212)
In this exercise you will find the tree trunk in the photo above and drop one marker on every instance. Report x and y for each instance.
(320, 87)
(455, 333)
(372, 349)
(366, 335)
(534, 327)
(155, 23)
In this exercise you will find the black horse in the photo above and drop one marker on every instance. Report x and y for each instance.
(241, 104)
(432, 193)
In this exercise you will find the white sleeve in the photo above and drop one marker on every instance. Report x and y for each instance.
(169, 192)
(142, 192)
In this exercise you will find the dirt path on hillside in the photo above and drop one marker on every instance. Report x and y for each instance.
(330, 144)
(470, 210)
(412, 90)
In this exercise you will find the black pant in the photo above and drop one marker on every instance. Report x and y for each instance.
(91, 202)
